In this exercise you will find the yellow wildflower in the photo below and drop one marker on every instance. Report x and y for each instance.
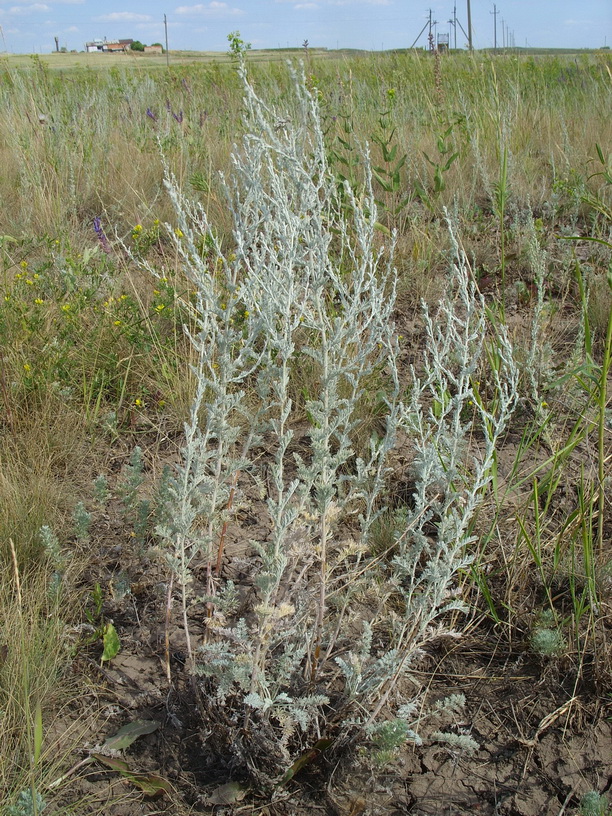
(27, 367)
(39, 301)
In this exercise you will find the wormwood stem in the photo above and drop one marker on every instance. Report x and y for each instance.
(230, 503)
(167, 627)
(322, 598)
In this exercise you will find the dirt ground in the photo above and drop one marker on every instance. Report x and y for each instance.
(544, 725)
(545, 739)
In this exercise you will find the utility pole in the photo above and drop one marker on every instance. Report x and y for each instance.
(430, 35)
(167, 52)
(453, 22)
(495, 12)
(503, 33)
(469, 23)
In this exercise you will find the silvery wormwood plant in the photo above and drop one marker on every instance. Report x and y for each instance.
(308, 285)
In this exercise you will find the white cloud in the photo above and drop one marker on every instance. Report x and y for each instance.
(360, 2)
(212, 9)
(123, 17)
(29, 9)
(578, 23)
(309, 4)
(156, 26)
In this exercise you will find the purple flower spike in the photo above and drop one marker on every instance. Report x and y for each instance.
(178, 116)
(106, 247)
(151, 115)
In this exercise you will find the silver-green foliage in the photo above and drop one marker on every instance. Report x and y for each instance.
(27, 804)
(594, 804)
(308, 287)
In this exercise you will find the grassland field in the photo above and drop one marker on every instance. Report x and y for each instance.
(97, 382)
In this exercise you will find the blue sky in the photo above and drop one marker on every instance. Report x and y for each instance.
(30, 25)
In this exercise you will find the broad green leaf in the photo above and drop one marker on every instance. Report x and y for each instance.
(401, 162)
(381, 228)
(111, 642)
(129, 733)
(450, 161)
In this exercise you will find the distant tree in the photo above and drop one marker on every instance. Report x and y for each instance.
(137, 46)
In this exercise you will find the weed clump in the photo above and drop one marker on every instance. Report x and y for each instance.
(329, 631)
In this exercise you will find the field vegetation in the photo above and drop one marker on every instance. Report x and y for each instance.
(305, 434)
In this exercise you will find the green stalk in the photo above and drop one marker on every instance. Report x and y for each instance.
(501, 197)
(601, 427)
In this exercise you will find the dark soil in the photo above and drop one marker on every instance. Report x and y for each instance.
(545, 737)
(544, 725)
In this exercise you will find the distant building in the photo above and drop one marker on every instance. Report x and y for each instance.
(108, 46)
(443, 43)
(153, 49)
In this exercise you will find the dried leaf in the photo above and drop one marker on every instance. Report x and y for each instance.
(306, 758)
(227, 794)
(152, 785)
